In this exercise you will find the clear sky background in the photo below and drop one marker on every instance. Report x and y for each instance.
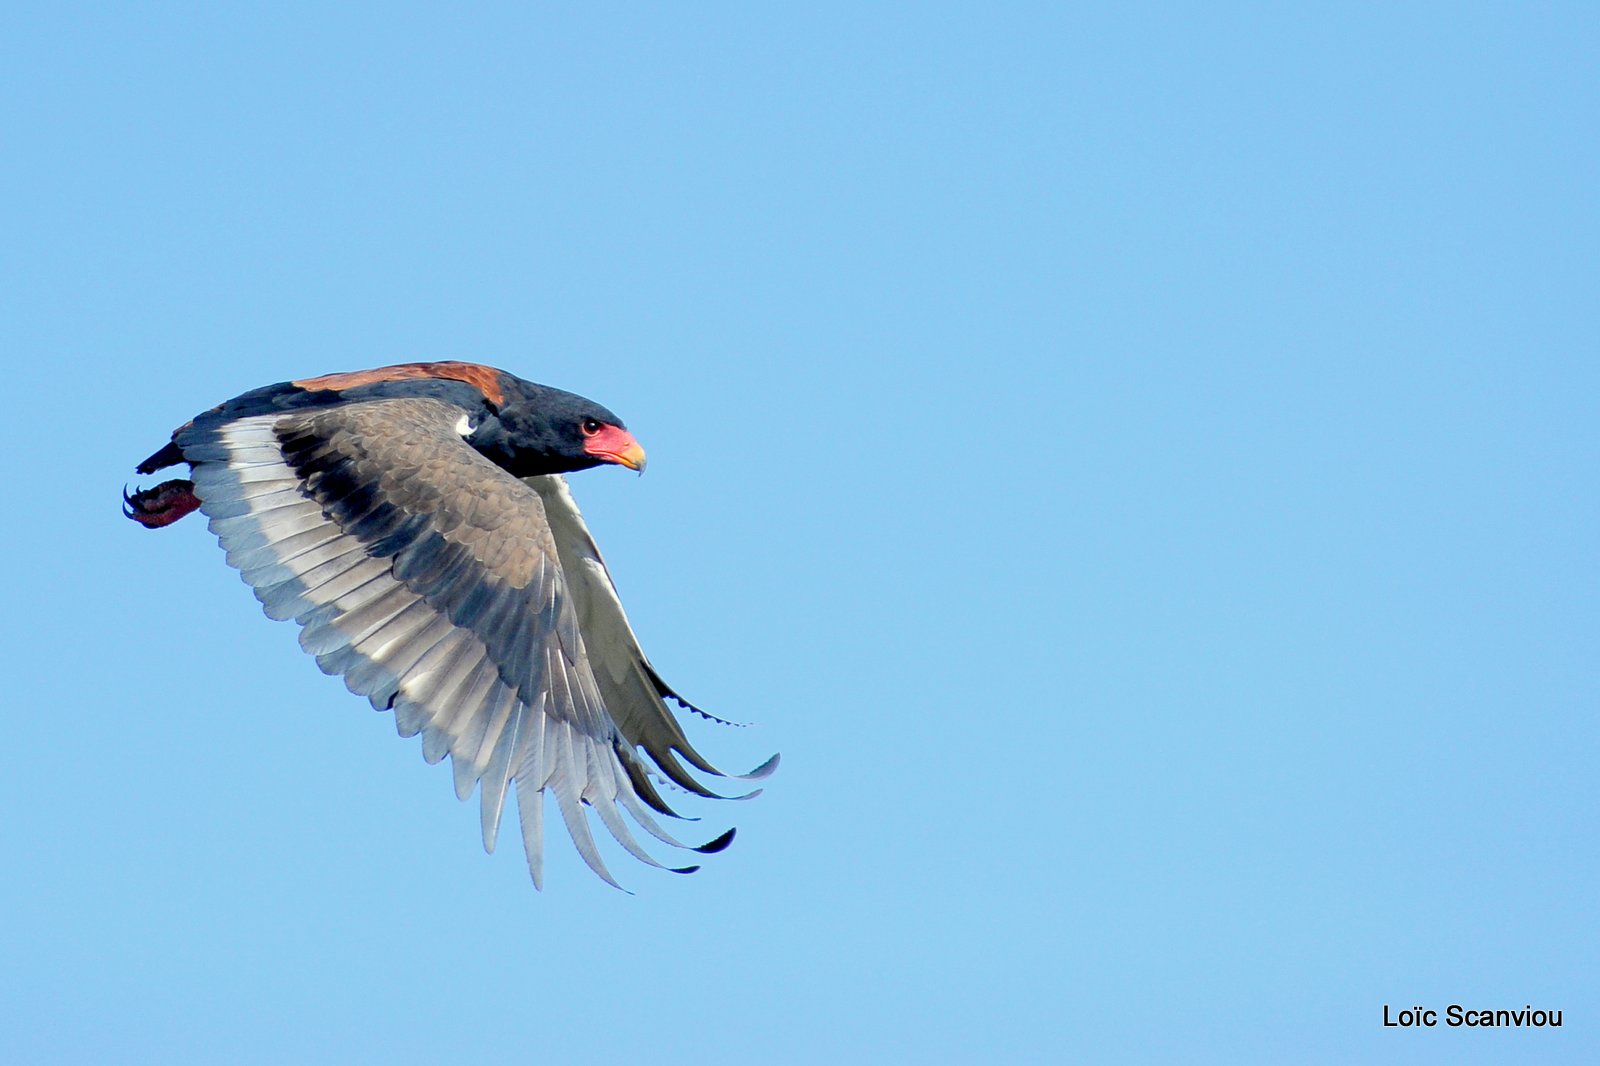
(1138, 466)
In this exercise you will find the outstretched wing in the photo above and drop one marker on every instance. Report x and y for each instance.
(630, 686)
(431, 580)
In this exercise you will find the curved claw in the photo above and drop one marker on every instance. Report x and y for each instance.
(162, 505)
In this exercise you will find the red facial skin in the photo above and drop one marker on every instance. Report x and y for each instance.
(613, 444)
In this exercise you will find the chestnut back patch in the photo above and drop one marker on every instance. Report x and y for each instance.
(483, 378)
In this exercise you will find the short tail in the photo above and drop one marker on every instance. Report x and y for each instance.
(169, 455)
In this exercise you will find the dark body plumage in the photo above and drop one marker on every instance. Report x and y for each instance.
(414, 521)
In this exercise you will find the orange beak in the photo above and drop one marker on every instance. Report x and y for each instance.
(613, 444)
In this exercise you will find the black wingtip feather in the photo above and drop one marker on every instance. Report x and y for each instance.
(683, 869)
(711, 847)
(764, 770)
(707, 715)
(666, 692)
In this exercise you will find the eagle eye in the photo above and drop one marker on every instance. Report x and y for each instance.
(589, 426)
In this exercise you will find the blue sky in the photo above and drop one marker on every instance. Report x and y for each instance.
(1137, 465)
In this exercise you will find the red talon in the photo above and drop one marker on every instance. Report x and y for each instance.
(162, 505)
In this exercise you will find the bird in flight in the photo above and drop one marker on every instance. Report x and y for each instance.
(415, 523)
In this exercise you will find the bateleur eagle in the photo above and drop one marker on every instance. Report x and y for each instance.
(414, 521)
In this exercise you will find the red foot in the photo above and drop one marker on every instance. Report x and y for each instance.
(162, 505)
